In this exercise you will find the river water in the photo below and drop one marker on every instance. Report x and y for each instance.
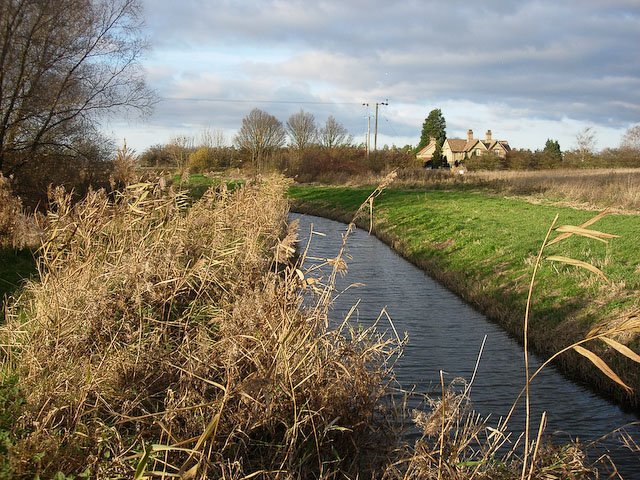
(446, 334)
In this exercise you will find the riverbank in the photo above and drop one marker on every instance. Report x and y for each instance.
(483, 247)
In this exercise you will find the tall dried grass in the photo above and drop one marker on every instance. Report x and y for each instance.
(17, 230)
(160, 342)
(596, 188)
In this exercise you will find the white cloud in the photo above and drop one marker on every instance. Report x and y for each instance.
(524, 68)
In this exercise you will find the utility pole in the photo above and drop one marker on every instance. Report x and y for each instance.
(375, 136)
(368, 145)
(368, 134)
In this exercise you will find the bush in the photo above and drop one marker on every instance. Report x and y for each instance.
(202, 160)
(10, 208)
(519, 160)
(16, 229)
(484, 162)
(156, 156)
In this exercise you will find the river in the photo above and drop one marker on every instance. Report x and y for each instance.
(446, 334)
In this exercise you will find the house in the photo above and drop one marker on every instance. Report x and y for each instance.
(456, 150)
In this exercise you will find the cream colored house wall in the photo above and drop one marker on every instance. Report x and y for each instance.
(427, 152)
(499, 150)
(448, 153)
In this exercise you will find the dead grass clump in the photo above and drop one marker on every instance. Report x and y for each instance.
(124, 167)
(17, 230)
(458, 444)
(160, 339)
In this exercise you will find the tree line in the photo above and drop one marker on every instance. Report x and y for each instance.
(299, 147)
(584, 155)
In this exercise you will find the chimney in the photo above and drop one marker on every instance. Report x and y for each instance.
(432, 139)
(488, 135)
(470, 135)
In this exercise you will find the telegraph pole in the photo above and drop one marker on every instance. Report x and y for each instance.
(368, 134)
(368, 149)
(375, 135)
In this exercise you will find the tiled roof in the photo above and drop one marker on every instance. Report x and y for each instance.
(457, 144)
(471, 144)
(421, 152)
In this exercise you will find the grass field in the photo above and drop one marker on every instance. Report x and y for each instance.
(484, 247)
(586, 188)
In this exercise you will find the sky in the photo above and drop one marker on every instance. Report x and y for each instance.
(528, 70)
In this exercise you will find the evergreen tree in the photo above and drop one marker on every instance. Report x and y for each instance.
(552, 150)
(434, 126)
(437, 158)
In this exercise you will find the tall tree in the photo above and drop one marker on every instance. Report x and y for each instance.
(552, 147)
(586, 142)
(631, 139)
(549, 157)
(302, 129)
(334, 134)
(64, 63)
(260, 134)
(434, 126)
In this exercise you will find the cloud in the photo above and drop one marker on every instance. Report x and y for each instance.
(534, 62)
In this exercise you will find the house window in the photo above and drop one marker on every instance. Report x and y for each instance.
(478, 151)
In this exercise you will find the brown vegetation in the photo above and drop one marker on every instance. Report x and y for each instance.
(17, 230)
(155, 325)
(595, 188)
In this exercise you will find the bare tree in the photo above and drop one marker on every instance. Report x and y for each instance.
(586, 142)
(64, 63)
(302, 129)
(631, 139)
(212, 138)
(179, 148)
(333, 134)
(260, 134)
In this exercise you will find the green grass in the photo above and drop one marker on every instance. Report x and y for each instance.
(15, 267)
(11, 404)
(484, 246)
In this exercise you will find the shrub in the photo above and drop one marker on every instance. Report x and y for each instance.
(16, 229)
(10, 208)
(202, 160)
(484, 162)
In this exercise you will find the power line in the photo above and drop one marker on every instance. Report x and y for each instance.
(229, 100)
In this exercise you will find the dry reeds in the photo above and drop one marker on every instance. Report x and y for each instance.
(160, 342)
(595, 188)
(17, 230)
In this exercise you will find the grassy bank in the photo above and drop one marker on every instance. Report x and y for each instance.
(484, 247)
